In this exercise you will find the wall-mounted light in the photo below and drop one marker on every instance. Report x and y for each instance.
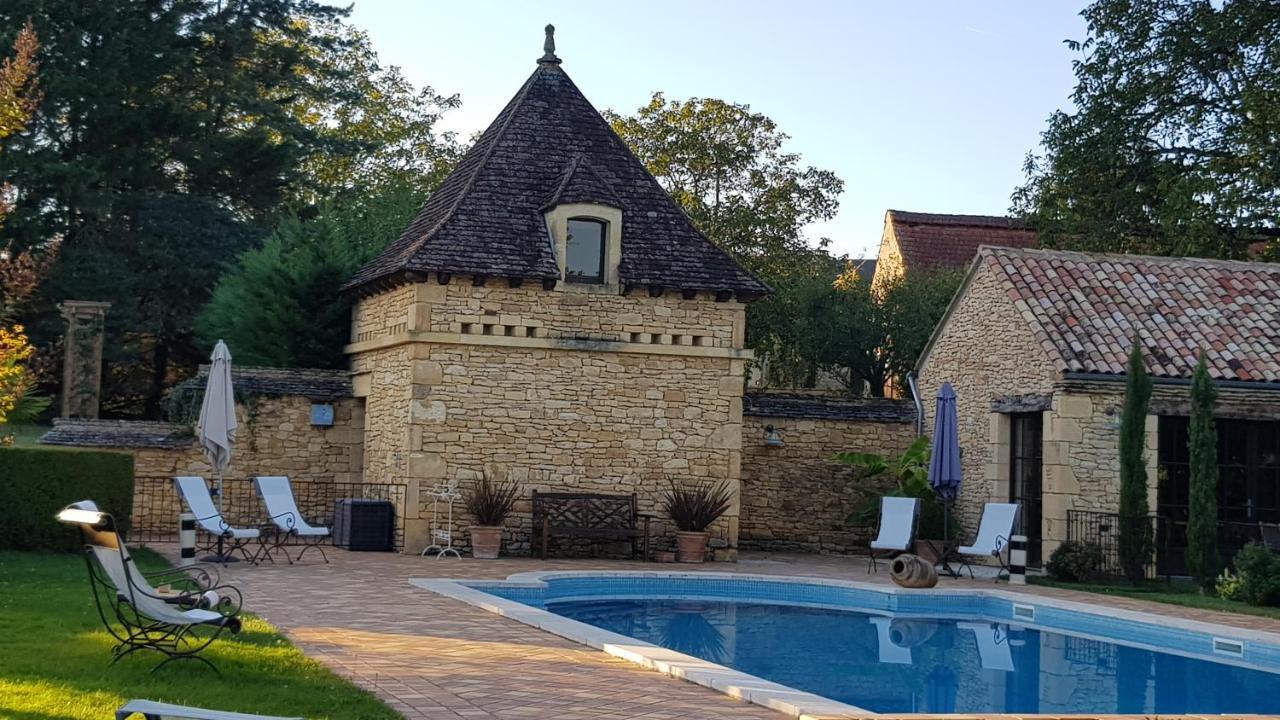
(1112, 422)
(772, 436)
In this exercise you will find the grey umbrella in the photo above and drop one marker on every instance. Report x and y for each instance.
(217, 427)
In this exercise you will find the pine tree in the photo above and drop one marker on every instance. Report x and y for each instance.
(1202, 519)
(1135, 543)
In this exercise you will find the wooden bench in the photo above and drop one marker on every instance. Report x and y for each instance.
(590, 515)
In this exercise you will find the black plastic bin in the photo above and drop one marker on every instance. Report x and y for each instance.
(367, 525)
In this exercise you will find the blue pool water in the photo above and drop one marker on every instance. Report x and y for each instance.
(912, 663)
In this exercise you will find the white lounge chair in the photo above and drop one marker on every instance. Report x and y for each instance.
(277, 495)
(890, 652)
(898, 518)
(993, 645)
(139, 616)
(164, 711)
(994, 530)
(195, 492)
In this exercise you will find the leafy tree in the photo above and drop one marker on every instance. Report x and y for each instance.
(155, 259)
(379, 131)
(1202, 517)
(185, 97)
(911, 307)
(1171, 146)
(1135, 542)
(726, 166)
(279, 305)
(20, 271)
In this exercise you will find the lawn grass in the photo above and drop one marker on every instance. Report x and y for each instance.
(55, 655)
(1175, 593)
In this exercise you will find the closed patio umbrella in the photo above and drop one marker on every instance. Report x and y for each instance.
(944, 464)
(217, 427)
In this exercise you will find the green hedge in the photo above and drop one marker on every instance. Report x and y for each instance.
(36, 483)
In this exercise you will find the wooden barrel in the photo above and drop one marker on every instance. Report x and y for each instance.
(912, 572)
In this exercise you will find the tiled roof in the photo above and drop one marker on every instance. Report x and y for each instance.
(313, 383)
(827, 408)
(486, 217)
(1085, 308)
(930, 241)
(118, 433)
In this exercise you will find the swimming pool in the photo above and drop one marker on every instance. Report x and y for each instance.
(803, 645)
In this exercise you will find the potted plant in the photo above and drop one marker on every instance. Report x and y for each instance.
(489, 503)
(694, 507)
(910, 473)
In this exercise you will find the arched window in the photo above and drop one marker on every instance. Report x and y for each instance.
(584, 250)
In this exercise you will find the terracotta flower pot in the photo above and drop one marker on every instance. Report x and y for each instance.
(691, 547)
(486, 542)
(928, 550)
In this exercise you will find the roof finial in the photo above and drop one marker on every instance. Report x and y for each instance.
(549, 47)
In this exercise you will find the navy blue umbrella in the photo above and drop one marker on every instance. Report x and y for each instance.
(944, 465)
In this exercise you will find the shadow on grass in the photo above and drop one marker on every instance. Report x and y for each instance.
(55, 659)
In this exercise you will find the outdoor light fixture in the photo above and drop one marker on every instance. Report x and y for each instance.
(1113, 419)
(77, 516)
(771, 436)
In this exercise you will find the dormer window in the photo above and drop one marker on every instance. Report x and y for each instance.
(585, 250)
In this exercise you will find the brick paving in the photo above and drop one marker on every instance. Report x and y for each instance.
(432, 657)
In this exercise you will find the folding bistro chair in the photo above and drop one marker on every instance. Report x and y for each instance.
(195, 492)
(277, 495)
(898, 518)
(183, 616)
(994, 530)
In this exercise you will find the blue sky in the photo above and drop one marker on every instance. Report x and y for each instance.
(924, 106)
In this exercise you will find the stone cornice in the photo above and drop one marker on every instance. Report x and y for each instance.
(448, 338)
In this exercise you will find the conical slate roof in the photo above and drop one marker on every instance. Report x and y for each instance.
(549, 146)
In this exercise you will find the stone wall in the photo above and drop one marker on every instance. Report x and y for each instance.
(556, 389)
(275, 437)
(987, 352)
(794, 497)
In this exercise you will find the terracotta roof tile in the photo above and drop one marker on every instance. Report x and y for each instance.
(1085, 308)
(931, 241)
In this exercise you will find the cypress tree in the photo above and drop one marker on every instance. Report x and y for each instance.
(1202, 519)
(1135, 542)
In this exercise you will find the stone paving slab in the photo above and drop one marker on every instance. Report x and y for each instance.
(429, 656)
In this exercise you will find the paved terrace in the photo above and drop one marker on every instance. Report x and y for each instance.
(432, 657)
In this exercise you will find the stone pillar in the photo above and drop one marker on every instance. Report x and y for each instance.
(82, 358)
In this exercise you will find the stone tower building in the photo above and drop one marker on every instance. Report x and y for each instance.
(551, 315)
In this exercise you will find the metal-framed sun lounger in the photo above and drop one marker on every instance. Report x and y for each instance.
(184, 616)
(994, 529)
(151, 710)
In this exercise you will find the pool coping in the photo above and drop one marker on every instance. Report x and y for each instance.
(741, 685)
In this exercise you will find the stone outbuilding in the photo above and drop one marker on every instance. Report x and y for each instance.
(923, 242)
(551, 316)
(1035, 343)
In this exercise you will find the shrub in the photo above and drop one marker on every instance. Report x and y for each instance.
(1259, 571)
(695, 506)
(1227, 586)
(1076, 562)
(36, 483)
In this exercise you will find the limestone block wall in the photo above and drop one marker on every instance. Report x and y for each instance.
(275, 437)
(794, 497)
(555, 389)
(986, 351)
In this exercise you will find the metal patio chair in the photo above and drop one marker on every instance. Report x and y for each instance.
(898, 519)
(195, 492)
(277, 495)
(994, 529)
